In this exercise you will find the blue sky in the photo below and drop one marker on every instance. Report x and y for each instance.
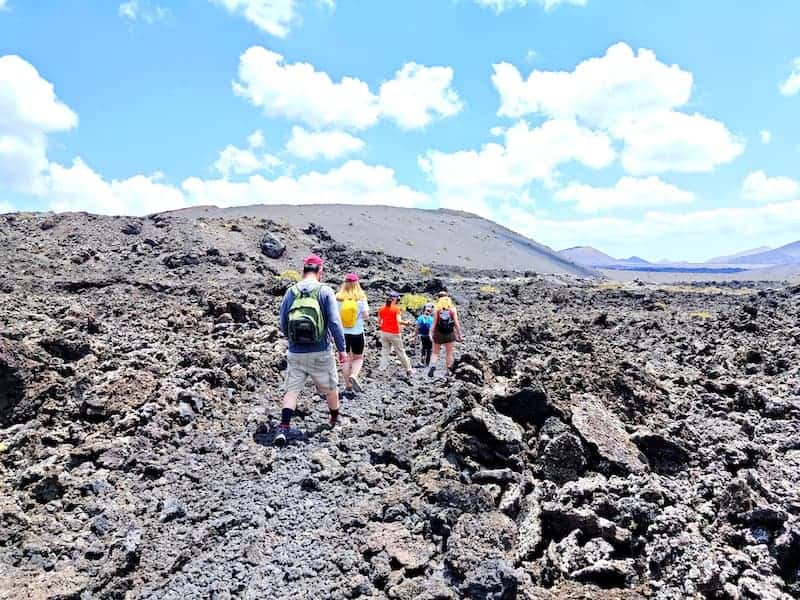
(648, 128)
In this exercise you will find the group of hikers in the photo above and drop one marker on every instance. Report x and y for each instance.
(312, 316)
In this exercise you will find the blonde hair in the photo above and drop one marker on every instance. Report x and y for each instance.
(350, 290)
(445, 303)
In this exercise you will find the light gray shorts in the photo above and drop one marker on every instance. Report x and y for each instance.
(320, 366)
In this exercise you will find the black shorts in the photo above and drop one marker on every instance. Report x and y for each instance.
(354, 343)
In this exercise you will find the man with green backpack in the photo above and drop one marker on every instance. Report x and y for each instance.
(309, 318)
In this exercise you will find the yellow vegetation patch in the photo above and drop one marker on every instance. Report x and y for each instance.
(610, 285)
(674, 288)
(707, 289)
(290, 274)
(426, 270)
(700, 314)
(488, 289)
(413, 301)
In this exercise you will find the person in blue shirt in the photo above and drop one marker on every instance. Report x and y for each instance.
(312, 360)
(424, 324)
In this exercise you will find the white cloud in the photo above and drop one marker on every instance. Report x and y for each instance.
(765, 136)
(632, 96)
(256, 139)
(129, 10)
(654, 227)
(311, 145)
(791, 86)
(275, 17)
(352, 183)
(28, 103)
(628, 192)
(5, 207)
(499, 6)
(673, 141)
(301, 93)
(760, 188)
(469, 178)
(239, 161)
(133, 10)
(22, 162)
(79, 188)
(417, 95)
(599, 92)
(297, 91)
(29, 111)
(272, 16)
(3, 5)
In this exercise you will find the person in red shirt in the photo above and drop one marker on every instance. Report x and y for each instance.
(390, 321)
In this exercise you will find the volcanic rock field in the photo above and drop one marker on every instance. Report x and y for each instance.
(598, 439)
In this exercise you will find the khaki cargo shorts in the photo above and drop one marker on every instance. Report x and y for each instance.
(320, 366)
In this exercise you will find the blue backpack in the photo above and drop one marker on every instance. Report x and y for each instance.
(424, 325)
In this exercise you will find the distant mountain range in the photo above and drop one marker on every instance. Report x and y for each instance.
(785, 255)
(785, 259)
(724, 259)
(594, 258)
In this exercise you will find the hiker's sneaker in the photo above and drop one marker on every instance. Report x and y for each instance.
(283, 435)
(356, 384)
(334, 420)
(431, 371)
(280, 439)
(348, 394)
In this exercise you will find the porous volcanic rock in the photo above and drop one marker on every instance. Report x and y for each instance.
(600, 428)
(598, 440)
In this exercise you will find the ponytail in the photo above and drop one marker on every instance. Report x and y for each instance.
(444, 303)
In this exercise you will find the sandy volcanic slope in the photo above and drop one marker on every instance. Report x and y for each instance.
(429, 236)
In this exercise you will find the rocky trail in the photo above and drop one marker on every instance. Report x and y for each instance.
(598, 440)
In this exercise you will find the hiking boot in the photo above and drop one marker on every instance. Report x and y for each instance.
(431, 371)
(356, 384)
(348, 394)
(334, 420)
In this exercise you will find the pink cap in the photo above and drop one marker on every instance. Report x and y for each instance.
(313, 259)
(351, 277)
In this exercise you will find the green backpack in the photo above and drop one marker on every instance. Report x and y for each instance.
(306, 322)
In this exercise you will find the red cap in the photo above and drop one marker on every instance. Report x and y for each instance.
(313, 259)
(351, 277)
